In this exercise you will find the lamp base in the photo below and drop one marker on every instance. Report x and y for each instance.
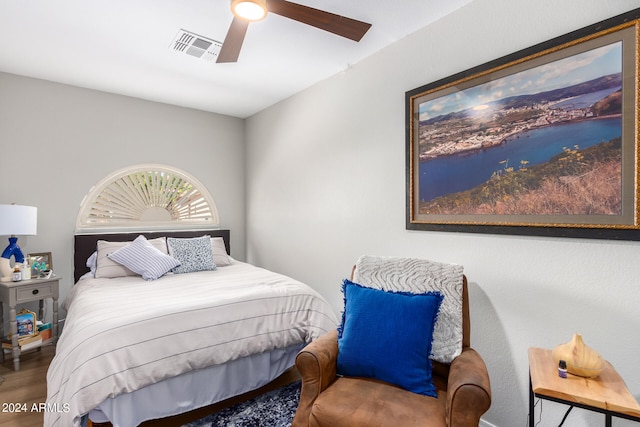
(12, 250)
(6, 270)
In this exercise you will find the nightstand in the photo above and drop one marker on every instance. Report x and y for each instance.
(13, 293)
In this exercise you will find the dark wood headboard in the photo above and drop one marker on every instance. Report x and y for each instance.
(85, 244)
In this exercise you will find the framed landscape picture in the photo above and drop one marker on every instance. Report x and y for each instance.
(541, 142)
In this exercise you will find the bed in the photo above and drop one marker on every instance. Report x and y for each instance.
(133, 349)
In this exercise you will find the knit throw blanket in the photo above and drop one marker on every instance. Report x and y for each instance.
(419, 276)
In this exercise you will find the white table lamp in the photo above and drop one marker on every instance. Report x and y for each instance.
(15, 220)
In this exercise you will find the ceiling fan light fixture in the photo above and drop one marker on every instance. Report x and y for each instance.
(251, 10)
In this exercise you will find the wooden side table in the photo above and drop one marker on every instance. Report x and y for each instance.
(606, 393)
(13, 293)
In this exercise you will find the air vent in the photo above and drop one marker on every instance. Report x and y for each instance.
(196, 45)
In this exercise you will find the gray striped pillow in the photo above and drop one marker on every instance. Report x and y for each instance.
(143, 258)
(107, 268)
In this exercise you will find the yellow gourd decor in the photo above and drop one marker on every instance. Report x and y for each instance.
(581, 359)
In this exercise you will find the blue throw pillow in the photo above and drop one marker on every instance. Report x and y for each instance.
(387, 336)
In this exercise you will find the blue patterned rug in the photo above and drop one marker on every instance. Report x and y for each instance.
(272, 409)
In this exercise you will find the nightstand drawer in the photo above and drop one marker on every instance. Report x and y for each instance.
(34, 292)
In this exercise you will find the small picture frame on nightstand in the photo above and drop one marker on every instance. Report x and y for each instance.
(41, 265)
(26, 322)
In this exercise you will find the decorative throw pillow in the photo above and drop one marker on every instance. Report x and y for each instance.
(219, 250)
(387, 336)
(419, 276)
(194, 254)
(144, 259)
(107, 268)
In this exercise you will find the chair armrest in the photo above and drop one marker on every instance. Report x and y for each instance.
(468, 390)
(316, 364)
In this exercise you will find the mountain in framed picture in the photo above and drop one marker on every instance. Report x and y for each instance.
(540, 142)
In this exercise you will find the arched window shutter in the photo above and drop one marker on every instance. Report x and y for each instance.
(147, 197)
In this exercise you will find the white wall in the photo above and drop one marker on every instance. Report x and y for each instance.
(58, 141)
(326, 184)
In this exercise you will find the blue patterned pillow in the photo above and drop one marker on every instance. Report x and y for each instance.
(387, 335)
(194, 254)
(143, 258)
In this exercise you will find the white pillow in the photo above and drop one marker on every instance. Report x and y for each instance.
(107, 268)
(144, 259)
(92, 263)
(219, 250)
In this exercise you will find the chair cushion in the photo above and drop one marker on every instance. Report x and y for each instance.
(387, 335)
(353, 402)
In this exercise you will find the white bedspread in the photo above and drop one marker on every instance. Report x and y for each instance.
(123, 334)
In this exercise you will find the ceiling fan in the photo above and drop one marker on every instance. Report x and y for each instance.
(246, 11)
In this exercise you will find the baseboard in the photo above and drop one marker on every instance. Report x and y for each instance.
(484, 423)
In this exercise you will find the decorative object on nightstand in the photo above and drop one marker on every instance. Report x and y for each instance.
(26, 269)
(581, 359)
(15, 220)
(26, 323)
(41, 264)
(44, 329)
(28, 335)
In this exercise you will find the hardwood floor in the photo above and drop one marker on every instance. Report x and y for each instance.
(24, 388)
(28, 386)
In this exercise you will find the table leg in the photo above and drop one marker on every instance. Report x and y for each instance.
(41, 315)
(13, 328)
(607, 420)
(2, 329)
(2, 320)
(531, 404)
(41, 311)
(54, 307)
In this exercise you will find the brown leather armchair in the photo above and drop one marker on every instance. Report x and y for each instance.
(464, 391)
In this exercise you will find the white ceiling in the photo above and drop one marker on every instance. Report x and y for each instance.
(123, 47)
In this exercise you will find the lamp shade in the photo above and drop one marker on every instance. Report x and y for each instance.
(18, 220)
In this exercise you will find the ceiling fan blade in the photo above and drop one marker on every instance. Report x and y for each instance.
(336, 24)
(232, 44)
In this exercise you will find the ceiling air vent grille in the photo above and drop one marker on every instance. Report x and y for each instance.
(196, 45)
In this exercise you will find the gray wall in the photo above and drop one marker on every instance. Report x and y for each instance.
(324, 179)
(58, 141)
(326, 184)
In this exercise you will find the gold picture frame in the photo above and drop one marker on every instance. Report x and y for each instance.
(540, 142)
(26, 323)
